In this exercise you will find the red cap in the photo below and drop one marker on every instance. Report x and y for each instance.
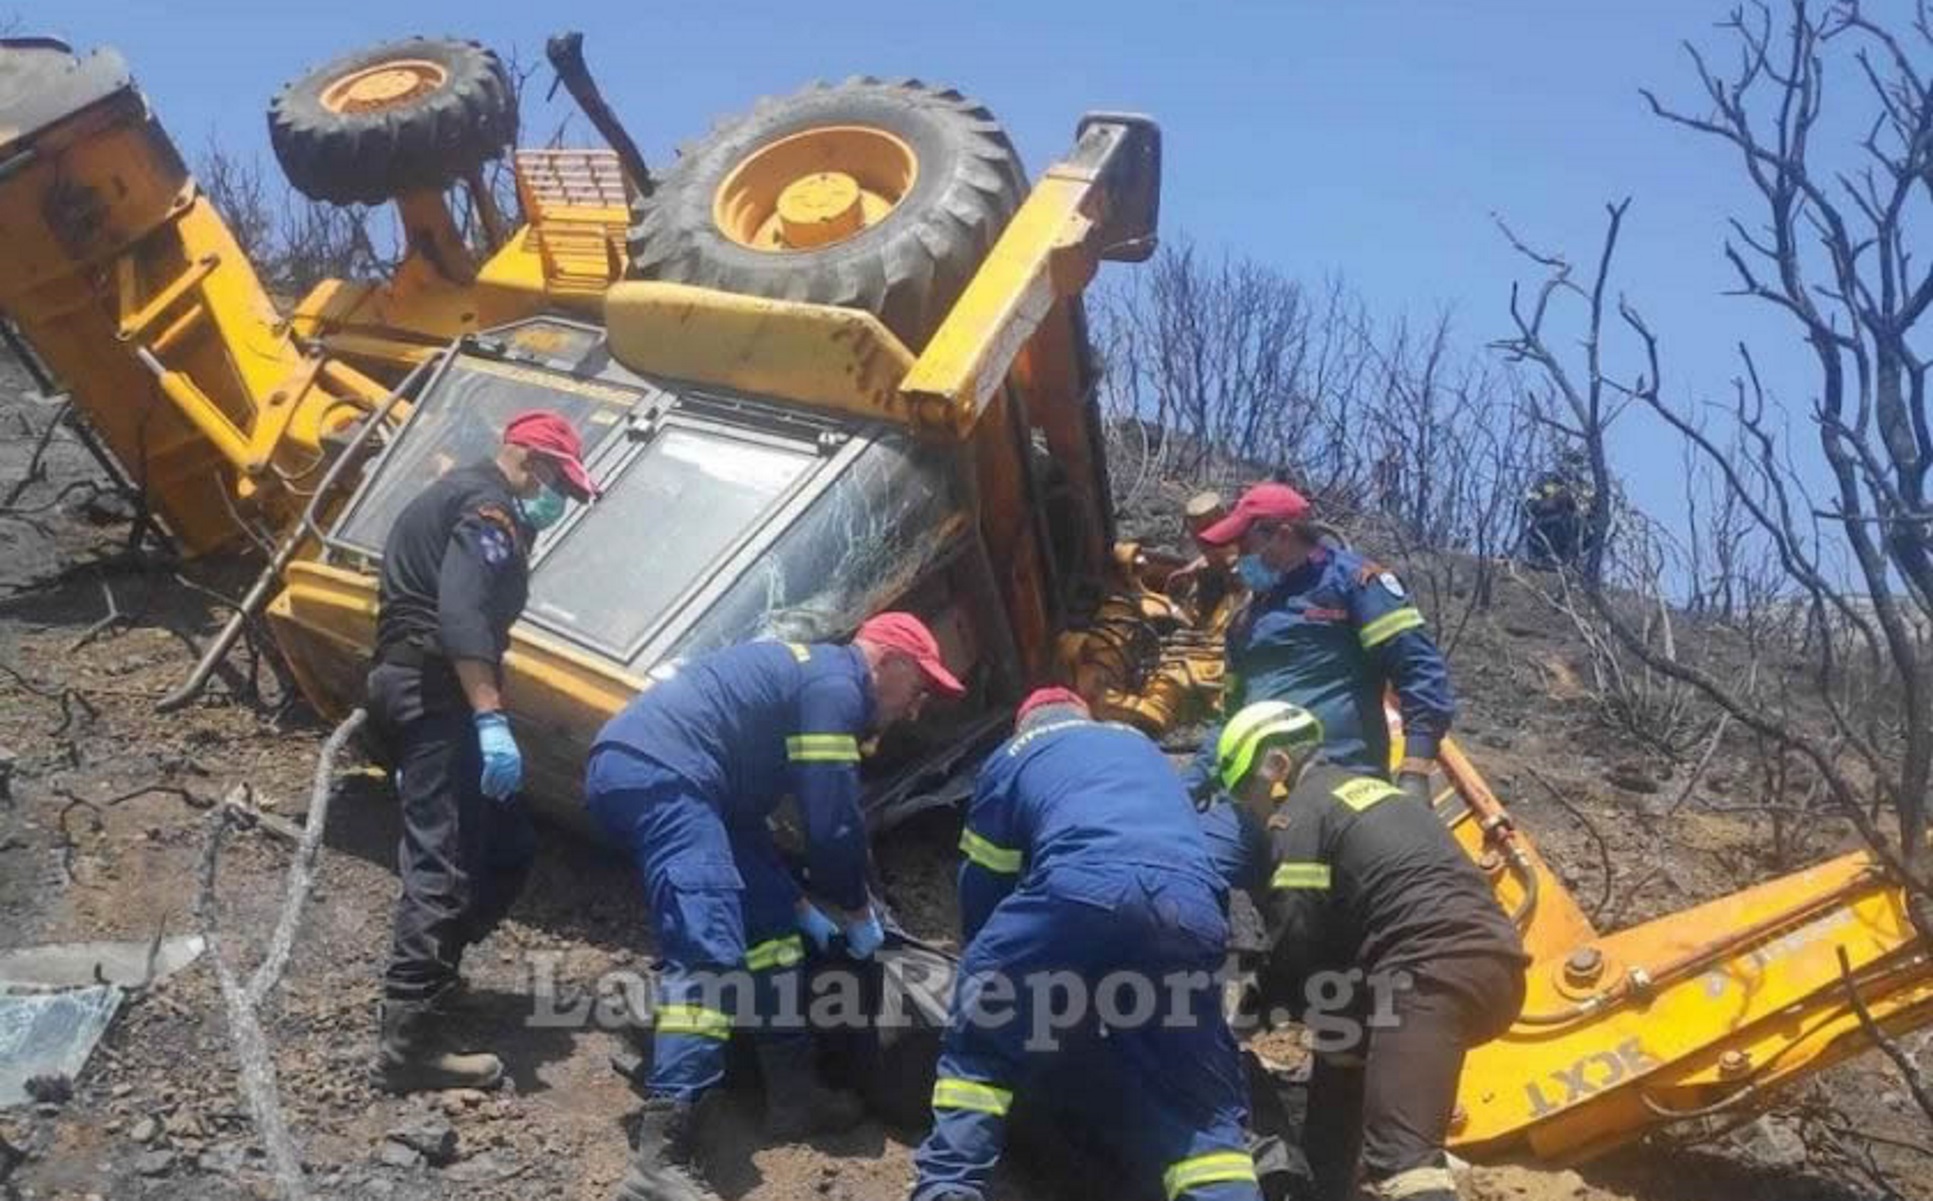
(1263, 502)
(908, 635)
(1042, 697)
(548, 434)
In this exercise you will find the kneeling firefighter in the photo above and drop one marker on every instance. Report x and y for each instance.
(1363, 878)
(1084, 868)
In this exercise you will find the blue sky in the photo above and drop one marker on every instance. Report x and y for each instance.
(1373, 138)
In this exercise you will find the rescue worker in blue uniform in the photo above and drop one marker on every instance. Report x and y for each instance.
(685, 777)
(1374, 893)
(1329, 630)
(453, 582)
(1083, 860)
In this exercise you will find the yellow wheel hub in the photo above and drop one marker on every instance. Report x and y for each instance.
(821, 209)
(815, 188)
(383, 85)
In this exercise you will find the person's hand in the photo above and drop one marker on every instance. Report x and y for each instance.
(503, 763)
(864, 934)
(814, 924)
(1414, 778)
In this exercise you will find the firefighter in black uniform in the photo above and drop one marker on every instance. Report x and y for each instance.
(454, 580)
(1368, 878)
(1557, 514)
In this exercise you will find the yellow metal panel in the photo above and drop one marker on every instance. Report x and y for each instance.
(814, 354)
(558, 697)
(1039, 259)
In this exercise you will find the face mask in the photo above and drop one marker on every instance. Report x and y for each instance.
(1257, 575)
(544, 509)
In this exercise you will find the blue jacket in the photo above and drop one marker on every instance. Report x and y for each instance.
(748, 724)
(1330, 637)
(1074, 798)
(1238, 847)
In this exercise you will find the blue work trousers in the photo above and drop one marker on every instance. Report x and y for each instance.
(721, 906)
(1134, 951)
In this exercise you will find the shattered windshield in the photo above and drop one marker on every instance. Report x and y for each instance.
(693, 494)
(890, 516)
(461, 422)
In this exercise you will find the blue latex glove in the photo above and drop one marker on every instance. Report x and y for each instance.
(815, 925)
(864, 935)
(503, 763)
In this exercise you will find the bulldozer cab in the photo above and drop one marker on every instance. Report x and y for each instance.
(725, 517)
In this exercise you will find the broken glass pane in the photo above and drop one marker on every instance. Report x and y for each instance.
(50, 1034)
(76, 964)
(864, 542)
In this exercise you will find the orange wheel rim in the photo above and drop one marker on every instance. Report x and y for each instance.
(385, 85)
(815, 188)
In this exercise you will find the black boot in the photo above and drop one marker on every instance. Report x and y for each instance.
(408, 1060)
(662, 1167)
(797, 1103)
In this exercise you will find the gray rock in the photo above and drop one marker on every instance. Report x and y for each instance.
(1771, 1143)
(398, 1155)
(1633, 777)
(145, 1131)
(429, 1135)
(223, 1160)
(155, 1163)
(478, 1169)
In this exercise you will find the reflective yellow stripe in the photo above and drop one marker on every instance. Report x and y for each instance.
(822, 748)
(777, 952)
(1216, 1168)
(1253, 720)
(800, 651)
(951, 1092)
(1388, 626)
(693, 1019)
(992, 856)
(1361, 794)
(1301, 875)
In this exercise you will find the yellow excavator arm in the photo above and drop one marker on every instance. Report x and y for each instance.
(1701, 1014)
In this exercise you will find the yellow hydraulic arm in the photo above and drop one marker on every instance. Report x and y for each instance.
(135, 293)
(1697, 1015)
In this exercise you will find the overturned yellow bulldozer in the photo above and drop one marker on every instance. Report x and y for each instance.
(832, 361)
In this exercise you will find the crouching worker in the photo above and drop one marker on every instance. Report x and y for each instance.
(685, 777)
(454, 580)
(1084, 866)
(1365, 879)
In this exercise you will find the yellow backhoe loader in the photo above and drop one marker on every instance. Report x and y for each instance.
(832, 361)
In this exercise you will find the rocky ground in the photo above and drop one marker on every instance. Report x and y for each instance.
(104, 811)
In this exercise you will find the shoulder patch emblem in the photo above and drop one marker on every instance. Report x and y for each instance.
(1392, 585)
(495, 545)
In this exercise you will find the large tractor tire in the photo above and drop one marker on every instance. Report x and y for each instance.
(870, 195)
(370, 126)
